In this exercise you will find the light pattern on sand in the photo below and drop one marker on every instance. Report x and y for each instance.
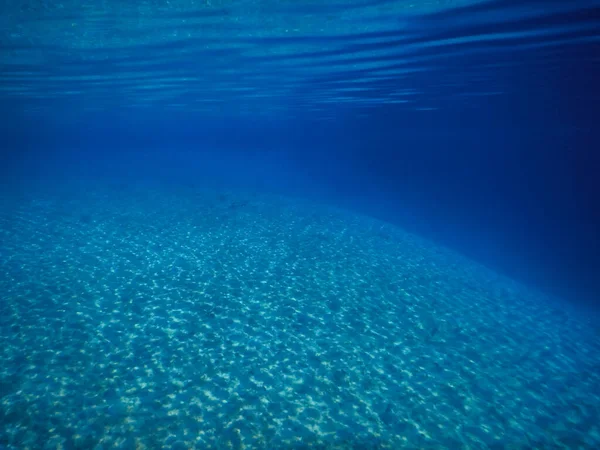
(197, 319)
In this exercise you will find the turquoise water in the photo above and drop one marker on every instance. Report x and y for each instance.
(192, 318)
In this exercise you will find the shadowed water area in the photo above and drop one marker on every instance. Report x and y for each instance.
(144, 318)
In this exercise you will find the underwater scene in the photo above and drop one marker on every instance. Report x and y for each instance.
(299, 224)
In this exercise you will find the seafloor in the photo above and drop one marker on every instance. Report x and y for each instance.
(135, 318)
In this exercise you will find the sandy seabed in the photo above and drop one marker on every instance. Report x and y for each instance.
(141, 319)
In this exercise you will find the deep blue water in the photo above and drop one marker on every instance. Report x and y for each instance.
(470, 124)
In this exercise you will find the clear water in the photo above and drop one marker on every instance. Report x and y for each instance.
(196, 250)
(271, 58)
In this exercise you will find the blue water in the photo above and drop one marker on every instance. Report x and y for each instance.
(299, 224)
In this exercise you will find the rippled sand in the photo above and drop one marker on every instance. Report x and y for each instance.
(141, 319)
